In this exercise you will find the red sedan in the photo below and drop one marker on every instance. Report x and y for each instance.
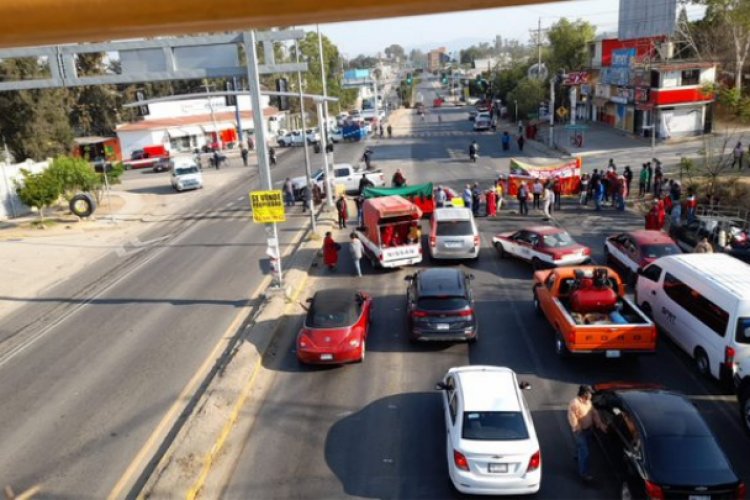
(635, 250)
(335, 328)
(543, 246)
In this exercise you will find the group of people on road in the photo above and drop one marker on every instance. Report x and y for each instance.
(670, 203)
(545, 195)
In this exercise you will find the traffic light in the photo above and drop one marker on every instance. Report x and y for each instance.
(282, 85)
(409, 79)
(445, 78)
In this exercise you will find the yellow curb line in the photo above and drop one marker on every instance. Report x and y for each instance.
(209, 459)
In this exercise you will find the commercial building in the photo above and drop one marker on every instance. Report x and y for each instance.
(436, 58)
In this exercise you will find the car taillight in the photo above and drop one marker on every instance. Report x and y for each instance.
(535, 461)
(419, 314)
(476, 241)
(433, 241)
(466, 312)
(729, 355)
(741, 491)
(653, 491)
(460, 460)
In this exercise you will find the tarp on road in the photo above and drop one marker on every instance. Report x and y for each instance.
(419, 194)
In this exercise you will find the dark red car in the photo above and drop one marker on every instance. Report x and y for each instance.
(634, 250)
(336, 327)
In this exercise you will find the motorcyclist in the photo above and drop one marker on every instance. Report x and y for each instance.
(473, 150)
(272, 155)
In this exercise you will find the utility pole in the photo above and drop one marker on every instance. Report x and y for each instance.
(8, 193)
(323, 119)
(539, 46)
(308, 176)
(552, 112)
(261, 144)
(213, 117)
(240, 136)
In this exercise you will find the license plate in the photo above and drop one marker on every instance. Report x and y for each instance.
(699, 497)
(613, 354)
(326, 357)
(453, 244)
(443, 326)
(497, 468)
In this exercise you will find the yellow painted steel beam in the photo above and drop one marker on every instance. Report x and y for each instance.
(47, 22)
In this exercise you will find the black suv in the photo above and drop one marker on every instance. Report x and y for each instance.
(440, 306)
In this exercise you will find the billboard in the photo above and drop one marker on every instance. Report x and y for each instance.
(647, 18)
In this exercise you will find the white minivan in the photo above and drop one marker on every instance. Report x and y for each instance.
(453, 234)
(186, 174)
(702, 301)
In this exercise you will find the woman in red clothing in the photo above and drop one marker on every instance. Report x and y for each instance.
(330, 252)
(491, 196)
(652, 217)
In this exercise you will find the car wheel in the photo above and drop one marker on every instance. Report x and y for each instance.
(362, 352)
(560, 348)
(625, 493)
(701, 362)
(536, 264)
(745, 409)
(501, 250)
(537, 306)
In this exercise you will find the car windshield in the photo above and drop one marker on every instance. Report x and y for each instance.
(442, 303)
(454, 228)
(656, 251)
(186, 170)
(685, 456)
(558, 240)
(494, 426)
(336, 315)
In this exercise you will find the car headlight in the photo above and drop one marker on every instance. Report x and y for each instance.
(354, 342)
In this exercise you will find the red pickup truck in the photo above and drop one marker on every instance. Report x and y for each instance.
(146, 157)
(590, 314)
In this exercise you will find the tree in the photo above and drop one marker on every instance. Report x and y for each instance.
(568, 42)
(418, 58)
(363, 62)
(94, 109)
(395, 51)
(731, 19)
(35, 123)
(73, 175)
(507, 79)
(480, 51)
(38, 190)
(529, 93)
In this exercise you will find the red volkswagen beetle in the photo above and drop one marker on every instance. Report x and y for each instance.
(336, 327)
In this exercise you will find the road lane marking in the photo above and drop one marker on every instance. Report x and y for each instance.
(216, 449)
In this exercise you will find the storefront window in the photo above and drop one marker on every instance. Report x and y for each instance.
(691, 77)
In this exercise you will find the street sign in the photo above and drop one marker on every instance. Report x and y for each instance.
(268, 206)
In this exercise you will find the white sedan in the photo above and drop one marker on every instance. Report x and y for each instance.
(491, 447)
(542, 246)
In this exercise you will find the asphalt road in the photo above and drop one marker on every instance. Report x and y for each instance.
(375, 430)
(89, 368)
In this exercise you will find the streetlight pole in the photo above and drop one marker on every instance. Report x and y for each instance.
(323, 122)
(515, 102)
(552, 112)
(8, 193)
(304, 143)
(213, 117)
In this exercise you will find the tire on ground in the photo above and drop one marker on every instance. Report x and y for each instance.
(82, 205)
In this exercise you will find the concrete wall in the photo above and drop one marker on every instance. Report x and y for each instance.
(10, 204)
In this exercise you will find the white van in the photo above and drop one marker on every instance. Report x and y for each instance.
(702, 301)
(186, 174)
(453, 234)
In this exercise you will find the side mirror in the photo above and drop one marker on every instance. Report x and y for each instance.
(524, 386)
(441, 386)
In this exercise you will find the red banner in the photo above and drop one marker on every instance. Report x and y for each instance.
(568, 174)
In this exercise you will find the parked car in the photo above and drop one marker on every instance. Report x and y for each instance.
(163, 165)
(482, 124)
(661, 447)
(293, 138)
(336, 327)
(186, 175)
(453, 234)
(440, 306)
(542, 246)
(737, 245)
(702, 301)
(336, 135)
(342, 173)
(634, 250)
(491, 442)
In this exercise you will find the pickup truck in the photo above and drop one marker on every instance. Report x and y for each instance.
(388, 232)
(147, 157)
(588, 310)
(342, 173)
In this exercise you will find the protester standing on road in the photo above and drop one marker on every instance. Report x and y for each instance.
(658, 180)
(476, 195)
(390, 131)
(523, 197)
(582, 417)
(652, 217)
(440, 197)
(330, 252)
(505, 141)
(598, 195)
(467, 197)
(642, 181)
(557, 190)
(620, 189)
(288, 193)
(548, 197)
(342, 212)
(691, 205)
(675, 193)
(244, 154)
(650, 171)
(491, 200)
(521, 141)
(520, 127)
(738, 154)
(584, 196)
(500, 192)
(359, 201)
(356, 250)
(536, 190)
(628, 174)
(306, 197)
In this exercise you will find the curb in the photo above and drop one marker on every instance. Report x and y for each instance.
(187, 469)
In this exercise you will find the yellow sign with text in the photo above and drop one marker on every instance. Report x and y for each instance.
(268, 206)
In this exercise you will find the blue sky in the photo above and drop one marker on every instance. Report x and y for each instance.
(463, 28)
